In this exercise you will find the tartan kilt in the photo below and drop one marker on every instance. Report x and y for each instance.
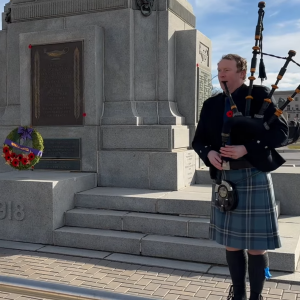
(253, 224)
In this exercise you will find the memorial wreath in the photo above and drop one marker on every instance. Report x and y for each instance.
(23, 148)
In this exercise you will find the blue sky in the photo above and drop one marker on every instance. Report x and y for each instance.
(230, 24)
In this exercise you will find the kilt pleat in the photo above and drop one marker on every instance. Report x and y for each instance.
(253, 224)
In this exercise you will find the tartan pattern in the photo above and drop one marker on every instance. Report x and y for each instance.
(253, 224)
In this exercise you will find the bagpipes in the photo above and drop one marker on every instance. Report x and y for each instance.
(257, 125)
(226, 198)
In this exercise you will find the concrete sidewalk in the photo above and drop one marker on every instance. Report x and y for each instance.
(139, 279)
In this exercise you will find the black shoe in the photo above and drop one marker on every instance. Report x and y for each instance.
(255, 296)
(232, 296)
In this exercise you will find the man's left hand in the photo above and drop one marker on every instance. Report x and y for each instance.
(234, 152)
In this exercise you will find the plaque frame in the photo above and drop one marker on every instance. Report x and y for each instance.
(47, 63)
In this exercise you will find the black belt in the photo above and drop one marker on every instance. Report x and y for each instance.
(239, 164)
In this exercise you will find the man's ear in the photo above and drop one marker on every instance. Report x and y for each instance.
(243, 74)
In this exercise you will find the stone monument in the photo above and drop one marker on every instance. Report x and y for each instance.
(114, 87)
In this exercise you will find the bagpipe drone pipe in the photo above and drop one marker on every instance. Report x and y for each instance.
(258, 125)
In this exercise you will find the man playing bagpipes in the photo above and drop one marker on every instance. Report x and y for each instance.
(236, 138)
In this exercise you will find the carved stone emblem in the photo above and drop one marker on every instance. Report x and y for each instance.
(204, 53)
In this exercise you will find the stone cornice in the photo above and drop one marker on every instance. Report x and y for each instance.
(60, 8)
(34, 10)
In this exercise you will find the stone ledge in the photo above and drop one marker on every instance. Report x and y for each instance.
(60, 8)
(34, 202)
(163, 138)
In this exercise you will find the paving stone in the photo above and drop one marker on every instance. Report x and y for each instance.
(211, 297)
(152, 287)
(121, 290)
(94, 280)
(185, 293)
(216, 293)
(144, 282)
(222, 285)
(161, 292)
(157, 281)
(209, 284)
(77, 282)
(136, 277)
(106, 280)
(183, 297)
(173, 278)
(202, 294)
(192, 288)
(271, 296)
(170, 296)
(172, 287)
(276, 291)
(183, 283)
(150, 277)
(289, 296)
(270, 284)
(220, 278)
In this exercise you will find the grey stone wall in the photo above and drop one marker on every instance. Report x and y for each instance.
(147, 170)
(13, 52)
(3, 73)
(118, 61)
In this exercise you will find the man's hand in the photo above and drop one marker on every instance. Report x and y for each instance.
(215, 159)
(234, 152)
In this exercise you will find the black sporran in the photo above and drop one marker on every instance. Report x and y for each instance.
(226, 198)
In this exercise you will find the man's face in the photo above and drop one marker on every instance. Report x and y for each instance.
(227, 71)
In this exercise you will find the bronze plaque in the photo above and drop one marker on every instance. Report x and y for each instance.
(61, 148)
(57, 84)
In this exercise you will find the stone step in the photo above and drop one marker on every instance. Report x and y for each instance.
(195, 227)
(182, 248)
(192, 201)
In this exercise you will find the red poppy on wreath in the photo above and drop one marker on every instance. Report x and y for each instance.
(15, 163)
(5, 149)
(24, 161)
(21, 160)
(31, 156)
(229, 114)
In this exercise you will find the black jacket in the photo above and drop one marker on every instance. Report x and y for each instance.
(261, 148)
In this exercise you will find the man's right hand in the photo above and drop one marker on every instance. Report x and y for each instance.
(215, 159)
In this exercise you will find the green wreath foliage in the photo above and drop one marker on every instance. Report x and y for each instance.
(14, 159)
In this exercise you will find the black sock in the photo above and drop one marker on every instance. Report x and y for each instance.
(237, 263)
(256, 268)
